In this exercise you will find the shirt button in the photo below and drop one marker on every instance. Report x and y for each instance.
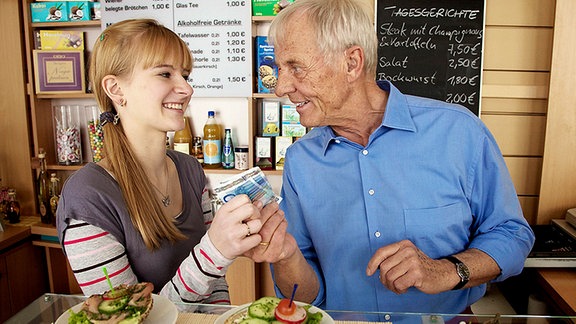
(365, 152)
(377, 234)
(371, 192)
(337, 141)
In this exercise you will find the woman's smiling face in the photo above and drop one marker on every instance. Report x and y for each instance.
(157, 96)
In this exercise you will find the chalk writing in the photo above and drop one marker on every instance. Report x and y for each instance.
(432, 48)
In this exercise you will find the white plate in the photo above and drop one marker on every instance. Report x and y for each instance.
(326, 319)
(163, 311)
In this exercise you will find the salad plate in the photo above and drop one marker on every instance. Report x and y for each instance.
(235, 315)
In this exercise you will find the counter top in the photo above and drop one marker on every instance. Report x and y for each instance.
(560, 285)
(12, 235)
(50, 307)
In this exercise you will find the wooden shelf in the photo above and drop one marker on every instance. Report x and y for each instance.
(262, 18)
(74, 24)
(66, 96)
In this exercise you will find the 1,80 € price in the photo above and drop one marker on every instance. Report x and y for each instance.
(463, 80)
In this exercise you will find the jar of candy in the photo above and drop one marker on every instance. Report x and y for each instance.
(67, 134)
(95, 133)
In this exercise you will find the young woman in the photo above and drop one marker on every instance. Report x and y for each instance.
(143, 211)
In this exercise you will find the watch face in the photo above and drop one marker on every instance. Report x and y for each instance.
(463, 271)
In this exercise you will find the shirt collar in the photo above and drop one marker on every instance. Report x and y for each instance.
(397, 114)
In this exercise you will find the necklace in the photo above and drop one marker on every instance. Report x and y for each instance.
(166, 201)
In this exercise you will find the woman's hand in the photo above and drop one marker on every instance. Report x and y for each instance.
(235, 227)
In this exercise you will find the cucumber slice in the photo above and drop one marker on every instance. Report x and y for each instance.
(262, 311)
(117, 293)
(253, 321)
(113, 305)
(268, 300)
(263, 308)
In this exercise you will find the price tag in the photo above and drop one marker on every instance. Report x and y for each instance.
(217, 32)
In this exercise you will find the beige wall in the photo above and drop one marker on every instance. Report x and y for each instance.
(15, 168)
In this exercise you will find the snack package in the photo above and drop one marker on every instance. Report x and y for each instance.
(252, 182)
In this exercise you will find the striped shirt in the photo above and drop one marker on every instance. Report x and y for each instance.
(96, 232)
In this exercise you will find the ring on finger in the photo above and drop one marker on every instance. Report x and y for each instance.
(264, 243)
(248, 228)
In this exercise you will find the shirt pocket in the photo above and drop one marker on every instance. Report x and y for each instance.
(439, 231)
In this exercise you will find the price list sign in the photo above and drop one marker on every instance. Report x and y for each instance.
(217, 32)
(432, 48)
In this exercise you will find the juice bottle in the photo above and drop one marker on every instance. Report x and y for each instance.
(212, 145)
(183, 139)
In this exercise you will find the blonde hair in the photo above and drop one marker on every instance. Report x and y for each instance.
(117, 51)
(339, 24)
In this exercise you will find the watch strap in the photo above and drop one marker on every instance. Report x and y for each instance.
(458, 264)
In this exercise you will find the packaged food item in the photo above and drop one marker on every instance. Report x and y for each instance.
(241, 157)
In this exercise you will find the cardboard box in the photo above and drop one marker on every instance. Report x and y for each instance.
(282, 143)
(79, 10)
(59, 71)
(96, 11)
(291, 122)
(50, 11)
(61, 40)
(269, 7)
(266, 68)
(263, 154)
(270, 118)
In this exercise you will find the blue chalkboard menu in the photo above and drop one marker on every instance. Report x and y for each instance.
(432, 48)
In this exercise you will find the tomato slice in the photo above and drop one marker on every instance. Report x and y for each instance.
(290, 314)
(285, 308)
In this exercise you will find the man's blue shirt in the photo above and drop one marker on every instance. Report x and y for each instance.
(431, 173)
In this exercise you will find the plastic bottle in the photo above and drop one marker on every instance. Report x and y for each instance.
(43, 183)
(183, 139)
(212, 147)
(228, 150)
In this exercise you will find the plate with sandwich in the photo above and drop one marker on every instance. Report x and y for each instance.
(130, 304)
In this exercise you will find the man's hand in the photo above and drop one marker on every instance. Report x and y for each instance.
(276, 243)
(402, 265)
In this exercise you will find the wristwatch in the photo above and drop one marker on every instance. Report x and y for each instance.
(462, 271)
